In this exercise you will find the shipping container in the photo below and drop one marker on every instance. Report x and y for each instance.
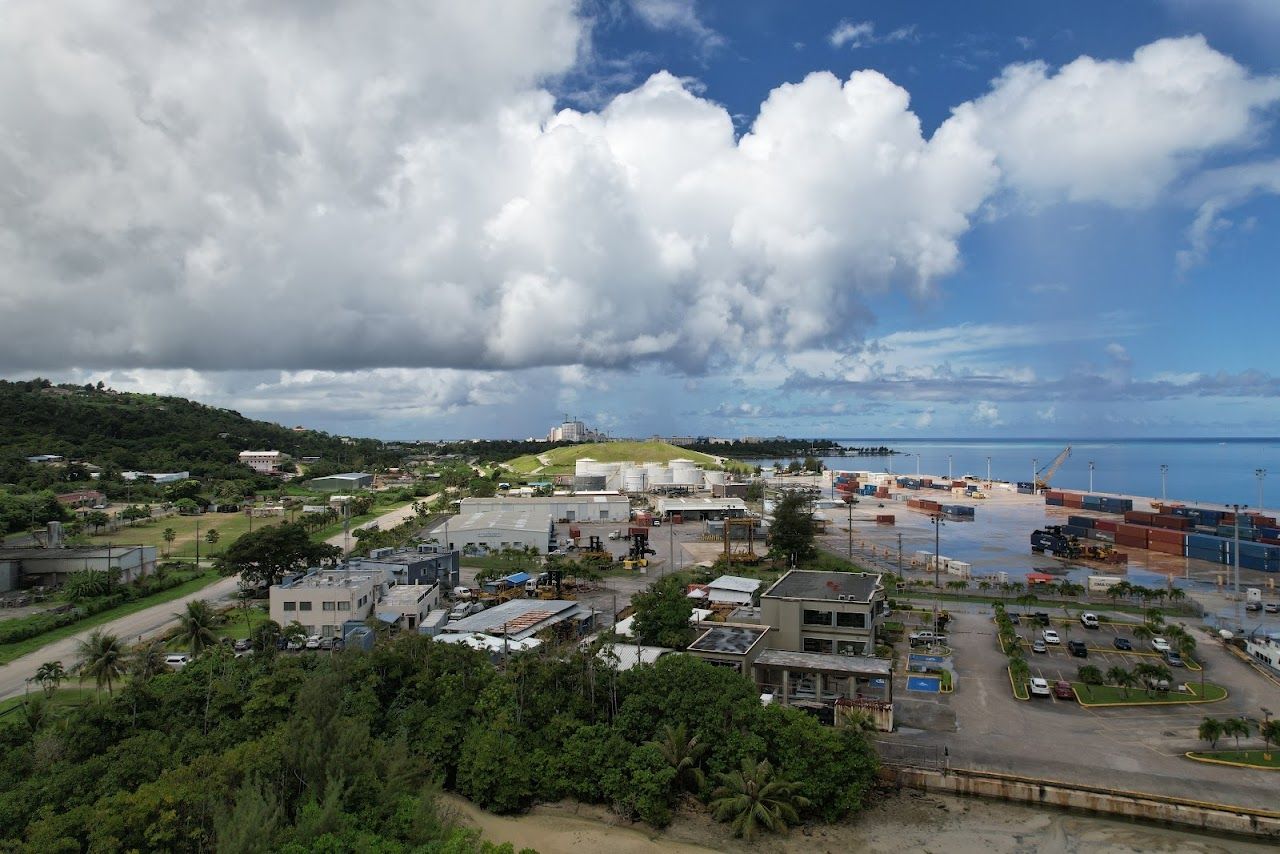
(1177, 523)
(1167, 548)
(1105, 525)
(1138, 517)
(1103, 536)
(1081, 521)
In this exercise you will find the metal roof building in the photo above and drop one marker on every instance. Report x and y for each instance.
(732, 590)
(496, 530)
(697, 509)
(521, 618)
(582, 507)
(346, 480)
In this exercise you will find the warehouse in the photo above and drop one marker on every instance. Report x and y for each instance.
(21, 568)
(491, 531)
(580, 507)
(520, 619)
(425, 564)
(698, 509)
(351, 480)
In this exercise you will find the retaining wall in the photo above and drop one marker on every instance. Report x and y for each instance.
(1205, 816)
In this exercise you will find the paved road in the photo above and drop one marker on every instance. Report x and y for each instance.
(14, 675)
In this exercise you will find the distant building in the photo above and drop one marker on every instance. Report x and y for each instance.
(31, 567)
(323, 599)
(156, 477)
(519, 619)
(424, 565)
(573, 431)
(406, 605)
(264, 462)
(580, 507)
(732, 590)
(698, 509)
(494, 530)
(44, 459)
(336, 482)
(82, 498)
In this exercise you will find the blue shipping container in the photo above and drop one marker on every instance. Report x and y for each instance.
(1081, 521)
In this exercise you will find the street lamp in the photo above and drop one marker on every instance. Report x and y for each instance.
(1260, 474)
(917, 465)
(1236, 508)
(1091, 475)
(1164, 474)
(949, 475)
(988, 471)
(936, 518)
(1035, 467)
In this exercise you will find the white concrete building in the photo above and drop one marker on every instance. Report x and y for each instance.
(264, 462)
(697, 509)
(578, 507)
(407, 605)
(493, 530)
(323, 599)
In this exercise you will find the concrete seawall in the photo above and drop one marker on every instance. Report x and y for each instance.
(1203, 816)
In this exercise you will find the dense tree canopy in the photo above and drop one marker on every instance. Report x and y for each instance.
(266, 555)
(791, 534)
(662, 614)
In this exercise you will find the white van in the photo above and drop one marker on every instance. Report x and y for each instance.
(1089, 621)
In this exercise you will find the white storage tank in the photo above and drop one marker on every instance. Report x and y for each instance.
(634, 480)
(714, 478)
(585, 466)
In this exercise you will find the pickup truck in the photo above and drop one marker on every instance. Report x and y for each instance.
(926, 638)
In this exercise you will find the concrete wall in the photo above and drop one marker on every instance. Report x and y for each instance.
(323, 609)
(1204, 816)
(786, 616)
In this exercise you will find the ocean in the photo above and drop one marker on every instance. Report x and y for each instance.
(1207, 470)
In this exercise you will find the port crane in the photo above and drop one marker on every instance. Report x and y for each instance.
(1047, 472)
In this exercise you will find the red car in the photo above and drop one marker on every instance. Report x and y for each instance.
(1062, 690)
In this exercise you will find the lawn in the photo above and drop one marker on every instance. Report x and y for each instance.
(563, 459)
(63, 697)
(234, 628)
(10, 651)
(151, 533)
(1109, 695)
(356, 521)
(1252, 758)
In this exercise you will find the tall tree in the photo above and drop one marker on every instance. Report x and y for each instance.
(195, 626)
(103, 657)
(268, 554)
(1210, 730)
(662, 614)
(791, 532)
(683, 753)
(169, 536)
(50, 676)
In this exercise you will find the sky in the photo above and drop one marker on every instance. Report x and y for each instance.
(422, 220)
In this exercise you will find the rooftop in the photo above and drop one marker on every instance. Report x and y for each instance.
(335, 578)
(676, 505)
(405, 594)
(847, 665)
(66, 553)
(518, 618)
(346, 475)
(625, 656)
(831, 586)
(736, 583)
(729, 640)
(526, 518)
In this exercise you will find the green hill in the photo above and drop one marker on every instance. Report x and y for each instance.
(147, 432)
(561, 460)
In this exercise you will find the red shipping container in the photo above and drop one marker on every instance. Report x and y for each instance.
(1271, 541)
(1167, 548)
(1138, 517)
(885, 519)
(1131, 541)
(1177, 523)
(632, 531)
(1163, 536)
(1055, 495)
(882, 492)
(677, 518)
(1105, 525)
(575, 532)
(1133, 530)
(1075, 501)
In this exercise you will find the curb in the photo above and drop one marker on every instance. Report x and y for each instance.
(1150, 702)
(1190, 754)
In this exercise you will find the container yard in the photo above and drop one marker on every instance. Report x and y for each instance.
(1007, 531)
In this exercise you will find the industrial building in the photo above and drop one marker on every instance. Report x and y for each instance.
(579, 507)
(425, 564)
(520, 619)
(472, 532)
(351, 480)
(407, 605)
(22, 568)
(732, 590)
(698, 509)
(825, 612)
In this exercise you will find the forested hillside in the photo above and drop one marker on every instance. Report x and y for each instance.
(148, 433)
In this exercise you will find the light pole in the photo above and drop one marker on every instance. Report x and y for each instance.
(197, 544)
(1260, 474)
(1164, 476)
(988, 471)
(1035, 466)
(850, 506)
(937, 564)
(949, 475)
(1235, 517)
(1091, 475)
(917, 465)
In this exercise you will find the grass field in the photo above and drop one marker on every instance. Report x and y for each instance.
(563, 459)
(151, 533)
(1109, 695)
(63, 697)
(10, 651)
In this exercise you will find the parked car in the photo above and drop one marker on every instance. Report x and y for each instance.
(1042, 617)
(242, 644)
(1089, 621)
(1050, 636)
(293, 643)
(177, 660)
(313, 642)
(1122, 643)
(1160, 645)
(1062, 690)
(1039, 687)
(1015, 619)
(1173, 659)
(1039, 646)
(1272, 608)
(926, 638)
(1078, 649)
(1157, 684)
(1253, 606)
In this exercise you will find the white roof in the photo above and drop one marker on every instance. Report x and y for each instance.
(736, 583)
(626, 656)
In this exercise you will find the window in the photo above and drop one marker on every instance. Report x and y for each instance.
(344, 606)
(329, 606)
(822, 645)
(304, 606)
(851, 619)
(310, 630)
(291, 606)
(817, 618)
(851, 648)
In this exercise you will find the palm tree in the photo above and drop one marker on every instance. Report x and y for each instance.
(1210, 730)
(1236, 727)
(751, 798)
(169, 536)
(147, 661)
(1143, 633)
(211, 537)
(1119, 676)
(36, 713)
(684, 754)
(102, 656)
(195, 626)
(50, 676)
(1270, 732)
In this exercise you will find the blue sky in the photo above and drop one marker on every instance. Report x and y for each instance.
(748, 218)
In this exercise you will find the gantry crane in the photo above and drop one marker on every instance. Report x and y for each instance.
(1047, 472)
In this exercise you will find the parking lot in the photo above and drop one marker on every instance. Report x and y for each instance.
(1057, 662)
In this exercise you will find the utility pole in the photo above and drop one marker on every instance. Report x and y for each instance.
(197, 544)
(1035, 465)
(917, 465)
(988, 471)
(850, 506)
(1236, 560)
(1164, 474)
(1260, 474)
(1091, 475)
(899, 554)
(937, 565)
(949, 475)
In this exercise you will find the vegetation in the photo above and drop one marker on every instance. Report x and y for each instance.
(662, 614)
(196, 626)
(563, 458)
(268, 554)
(344, 752)
(1103, 695)
(101, 656)
(791, 535)
(772, 449)
(1251, 758)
